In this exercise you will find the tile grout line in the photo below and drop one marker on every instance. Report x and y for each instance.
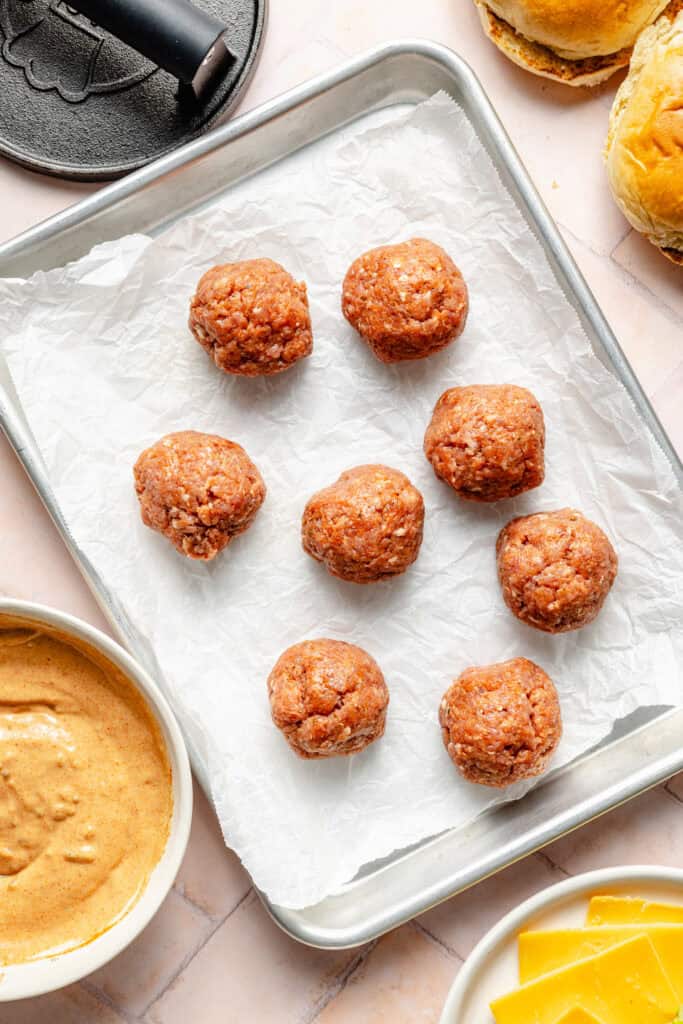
(625, 276)
(339, 983)
(205, 913)
(549, 862)
(440, 943)
(646, 293)
(641, 284)
(101, 997)
(604, 256)
(627, 231)
(187, 960)
(671, 793)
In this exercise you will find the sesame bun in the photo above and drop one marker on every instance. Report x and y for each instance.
(578, 42)
(644, 150)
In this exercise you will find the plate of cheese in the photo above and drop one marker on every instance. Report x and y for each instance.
(600, 948)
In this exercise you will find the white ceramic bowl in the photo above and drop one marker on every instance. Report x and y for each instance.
(491, 969)
(39, 976)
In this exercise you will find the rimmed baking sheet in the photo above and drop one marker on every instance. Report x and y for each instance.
(399, 74)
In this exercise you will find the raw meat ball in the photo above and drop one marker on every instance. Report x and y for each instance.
(501, 723)
(555, 568)
(407, 301)
(252, 318)
(487, 441)
(328, 698)
(199, 490)
(365, 527)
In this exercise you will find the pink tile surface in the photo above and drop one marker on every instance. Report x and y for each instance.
(648, 830)
(213, 954)
(73, 1005)
(650, 336)
(403, 980)
(460, 923)
(138, 975)
(675, 787)
(250, 971)
(211, 876)
(658, 277)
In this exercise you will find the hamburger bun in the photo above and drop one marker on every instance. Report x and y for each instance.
(578, 42)
(644, 151)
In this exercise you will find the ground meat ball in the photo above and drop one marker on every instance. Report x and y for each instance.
(407, 301)
(366, 526)
(199, 490)
(501, 723)
(252, 318)
(487, 441)
(328, 698)
(555, 568)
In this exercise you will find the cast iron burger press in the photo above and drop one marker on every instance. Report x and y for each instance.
(93, 89)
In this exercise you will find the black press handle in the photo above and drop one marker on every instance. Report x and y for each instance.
(174, 34)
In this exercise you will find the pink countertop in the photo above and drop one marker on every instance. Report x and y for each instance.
(212, 954)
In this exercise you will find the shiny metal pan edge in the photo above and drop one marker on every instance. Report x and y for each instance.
(645, 749)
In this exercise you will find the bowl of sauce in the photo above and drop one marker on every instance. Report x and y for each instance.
(95, 799)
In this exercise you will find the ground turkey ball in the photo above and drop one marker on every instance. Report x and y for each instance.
(328, 698)
(487, 441)
(501, 723)
(199, 490)
(365, 527)
(251, 317)
(407, 301)
(555, 568)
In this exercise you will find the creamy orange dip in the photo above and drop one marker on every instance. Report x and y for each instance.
(85, 794)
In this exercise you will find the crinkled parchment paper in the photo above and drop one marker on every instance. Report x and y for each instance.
(104, 364)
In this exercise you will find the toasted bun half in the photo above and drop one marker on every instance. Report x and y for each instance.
(578, 42)
(644, 150)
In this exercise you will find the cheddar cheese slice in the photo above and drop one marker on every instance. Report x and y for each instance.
(628, 910)
(623, 985)
(578, 1016)
(543, 951)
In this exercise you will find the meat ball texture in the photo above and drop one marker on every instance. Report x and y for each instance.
(555, 569)
(367, 526)
(199, 490)
(328, 698)
(501, 723)
(407, 301)
(252, 318)
(487, 441)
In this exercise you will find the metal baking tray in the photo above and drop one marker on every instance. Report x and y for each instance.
(645, 749)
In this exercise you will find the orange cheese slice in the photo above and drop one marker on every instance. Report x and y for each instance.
(624, 985)
(543, 951)
(579, 1016)
(628, 910)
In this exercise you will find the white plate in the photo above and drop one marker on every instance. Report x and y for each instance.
(491, 969)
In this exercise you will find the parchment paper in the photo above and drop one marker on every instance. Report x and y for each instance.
(104, 364)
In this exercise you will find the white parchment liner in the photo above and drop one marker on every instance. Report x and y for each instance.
(104, 364)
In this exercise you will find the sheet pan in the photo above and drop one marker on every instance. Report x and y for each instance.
(647, 747)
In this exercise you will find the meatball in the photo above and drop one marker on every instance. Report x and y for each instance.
(365, 527)
(252, 318)
(199, 490)
(407, 301)
(328, 698)
(555, 568)
(487, 441)
(501, 723)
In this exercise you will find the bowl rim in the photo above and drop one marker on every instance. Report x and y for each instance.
(576, 885)
(37, 977)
